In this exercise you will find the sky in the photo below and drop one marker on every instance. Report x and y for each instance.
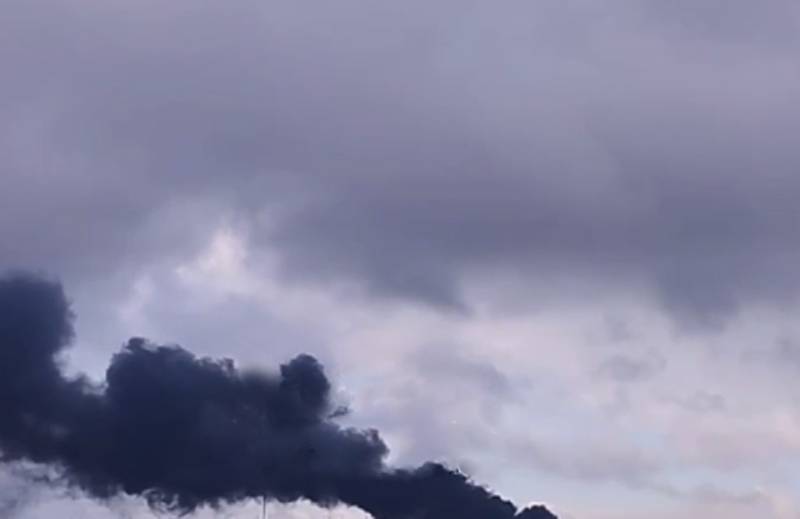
(553, 243)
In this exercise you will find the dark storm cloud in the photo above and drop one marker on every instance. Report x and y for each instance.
(183, 431)
(408, 147)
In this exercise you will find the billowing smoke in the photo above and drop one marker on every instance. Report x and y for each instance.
(184, 432)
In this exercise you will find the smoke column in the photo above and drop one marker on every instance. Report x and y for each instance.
(184, 432)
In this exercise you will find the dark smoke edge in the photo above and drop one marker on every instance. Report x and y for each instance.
(184, 432)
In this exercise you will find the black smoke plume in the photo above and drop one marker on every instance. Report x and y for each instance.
(184, 432)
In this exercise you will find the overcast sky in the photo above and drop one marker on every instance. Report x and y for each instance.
(552, 242)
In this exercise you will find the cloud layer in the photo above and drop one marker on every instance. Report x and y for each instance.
(522, 214)
(634, 146)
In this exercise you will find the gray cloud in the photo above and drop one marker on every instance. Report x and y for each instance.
(632, 368)
(12, 496)
(703, 402)
(780, 355)
(408, 147)
(447, 365)
(623, 464)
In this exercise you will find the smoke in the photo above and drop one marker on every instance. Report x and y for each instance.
(184, 432)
